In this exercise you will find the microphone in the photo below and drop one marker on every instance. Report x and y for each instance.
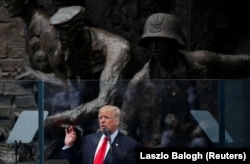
(106, 132)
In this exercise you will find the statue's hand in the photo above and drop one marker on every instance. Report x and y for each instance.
(28, 73)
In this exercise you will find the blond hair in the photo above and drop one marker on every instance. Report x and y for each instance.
(112, 108)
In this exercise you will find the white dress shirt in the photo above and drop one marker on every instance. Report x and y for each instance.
(112, 137)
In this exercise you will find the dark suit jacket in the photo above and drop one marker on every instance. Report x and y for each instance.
(122, 150)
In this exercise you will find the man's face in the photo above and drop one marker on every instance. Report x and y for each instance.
(107, 120)
(159, 46)
(66, 34)
(14, 7)
(38, 55)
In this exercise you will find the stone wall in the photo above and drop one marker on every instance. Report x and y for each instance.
(12, 51)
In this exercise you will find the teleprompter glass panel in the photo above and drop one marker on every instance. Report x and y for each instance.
(25, 127)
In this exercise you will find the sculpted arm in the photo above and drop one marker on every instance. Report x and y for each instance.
(234, 65)
(117, 57)
(238, 62)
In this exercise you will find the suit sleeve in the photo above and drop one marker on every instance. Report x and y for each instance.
(72, 154)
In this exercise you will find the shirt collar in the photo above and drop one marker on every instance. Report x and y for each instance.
(112, 136)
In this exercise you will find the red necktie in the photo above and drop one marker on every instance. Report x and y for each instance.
(101, 152)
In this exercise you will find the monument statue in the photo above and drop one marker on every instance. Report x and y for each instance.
(87, 53)
(168, 60)
(63, 49)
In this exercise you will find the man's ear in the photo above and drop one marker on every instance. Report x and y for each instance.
(117, 122)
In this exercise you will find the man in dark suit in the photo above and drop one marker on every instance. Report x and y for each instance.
(120, 148)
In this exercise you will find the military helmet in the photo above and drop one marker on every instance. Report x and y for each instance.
(161, 25)
(67, 14)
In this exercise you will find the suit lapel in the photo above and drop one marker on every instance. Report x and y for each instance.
(110, 156)
(95, 141)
